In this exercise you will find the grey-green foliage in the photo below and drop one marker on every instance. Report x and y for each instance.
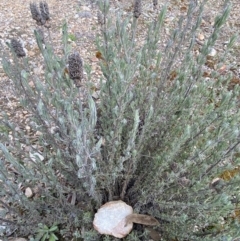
(167, 139)
(59, 164)
(154, 141)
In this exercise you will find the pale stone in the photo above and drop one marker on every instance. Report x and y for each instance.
(110, 219)
(38, 133)
(28, 192)
(28, 128)
(213, 52)
(31, 84)
(201, 37)
(73, 44)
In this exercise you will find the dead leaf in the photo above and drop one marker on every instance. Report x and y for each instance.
(173, 75)
(154, 234)
(206, 74)
(222, 70)
(141, 219)
(211, 62)
(237, 214)
(227, 175)
(234, 81)
(183, 8)
(66, 73)
(99, 55)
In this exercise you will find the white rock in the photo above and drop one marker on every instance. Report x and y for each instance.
(110, 219)
(28, 192)
(213, 52)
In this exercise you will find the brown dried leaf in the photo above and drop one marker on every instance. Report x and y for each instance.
(154, 234)
(141, 219)
(229, 174)
(173, 75)
(234, 81)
